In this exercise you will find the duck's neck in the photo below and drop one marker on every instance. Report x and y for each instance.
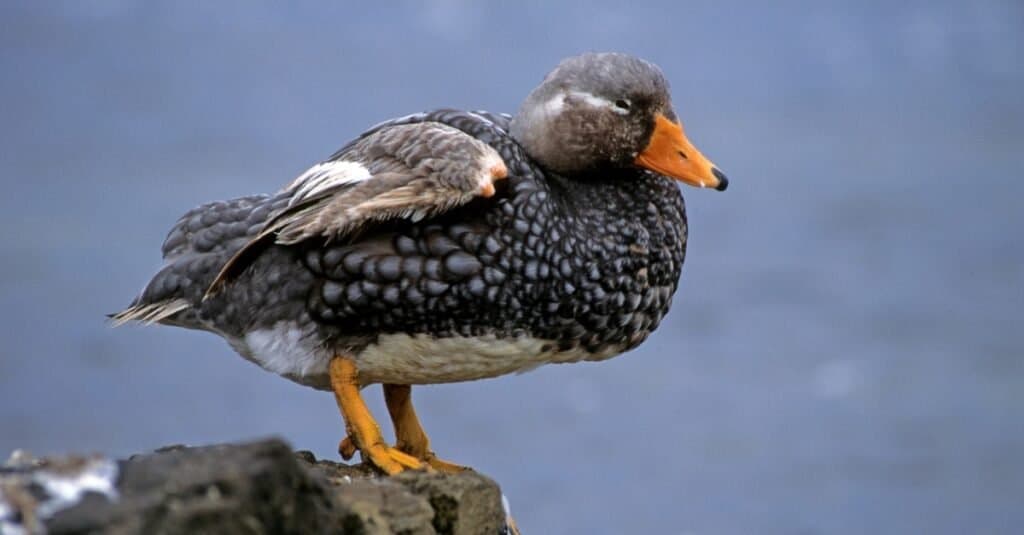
(624, 195)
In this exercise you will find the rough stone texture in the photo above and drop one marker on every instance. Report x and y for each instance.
(456, 501)
(263, 487)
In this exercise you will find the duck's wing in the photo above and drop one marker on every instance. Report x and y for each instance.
(396, 171)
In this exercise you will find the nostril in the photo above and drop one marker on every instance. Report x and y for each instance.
(683, 154)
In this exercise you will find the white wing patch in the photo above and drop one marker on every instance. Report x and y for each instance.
(326, 175)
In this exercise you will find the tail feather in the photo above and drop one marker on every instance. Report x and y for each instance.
(195, 250)
(149, 313)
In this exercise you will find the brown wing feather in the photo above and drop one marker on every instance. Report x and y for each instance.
(404, 171)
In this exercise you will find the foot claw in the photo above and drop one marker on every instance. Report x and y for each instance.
(444, 466)
(404, 459)
(391, 460)
(347, 448)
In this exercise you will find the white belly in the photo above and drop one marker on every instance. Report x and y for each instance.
(419, 359)
(287, 350)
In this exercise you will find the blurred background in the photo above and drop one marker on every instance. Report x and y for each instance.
(845, 350)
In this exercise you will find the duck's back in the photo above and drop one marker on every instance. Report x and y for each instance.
(208, 238)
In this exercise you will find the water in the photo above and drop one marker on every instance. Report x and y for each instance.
(845, 351)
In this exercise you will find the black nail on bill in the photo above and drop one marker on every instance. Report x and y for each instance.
(723, 182)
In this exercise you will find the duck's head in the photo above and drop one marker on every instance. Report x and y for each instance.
(596, 111)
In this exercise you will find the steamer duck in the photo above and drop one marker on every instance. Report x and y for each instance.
(449, 246)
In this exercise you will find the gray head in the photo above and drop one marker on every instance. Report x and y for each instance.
(595, 111)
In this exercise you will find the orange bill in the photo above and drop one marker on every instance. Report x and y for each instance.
(671, 154)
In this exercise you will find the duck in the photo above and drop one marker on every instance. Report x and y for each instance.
(449, 246)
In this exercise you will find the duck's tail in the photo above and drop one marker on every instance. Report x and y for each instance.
(196, 248)
(149, 313)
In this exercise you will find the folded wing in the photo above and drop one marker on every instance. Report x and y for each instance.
(407, 171)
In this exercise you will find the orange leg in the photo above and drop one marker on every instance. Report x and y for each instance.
(409, 434)
(363, 432)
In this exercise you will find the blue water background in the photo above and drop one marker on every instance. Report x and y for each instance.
(845, 351)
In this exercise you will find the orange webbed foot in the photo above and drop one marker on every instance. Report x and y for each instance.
(363, 433)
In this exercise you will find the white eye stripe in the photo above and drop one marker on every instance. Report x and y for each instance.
(556, 104)
(590, 99)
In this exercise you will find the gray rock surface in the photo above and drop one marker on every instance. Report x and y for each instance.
(259, 487)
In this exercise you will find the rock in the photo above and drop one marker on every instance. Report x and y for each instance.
(456, 501)
(259, 487)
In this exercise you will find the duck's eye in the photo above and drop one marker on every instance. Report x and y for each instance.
(623, 104)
